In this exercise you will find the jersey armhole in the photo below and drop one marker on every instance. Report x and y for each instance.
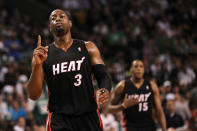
(82, 42)
(124, 91)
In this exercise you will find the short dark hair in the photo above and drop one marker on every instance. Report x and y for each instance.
(66, 12)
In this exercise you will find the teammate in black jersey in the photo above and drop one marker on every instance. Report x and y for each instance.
(67, 66)
(136, 97)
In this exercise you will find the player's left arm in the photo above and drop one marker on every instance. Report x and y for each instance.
(158, 106)
(100, 72)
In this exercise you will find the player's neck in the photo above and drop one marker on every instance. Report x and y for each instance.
(137, 80)
(64, 41)
(172, 113)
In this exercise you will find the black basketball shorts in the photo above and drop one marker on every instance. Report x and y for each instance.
(86, 122)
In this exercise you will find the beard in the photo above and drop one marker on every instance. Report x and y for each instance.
(60, 31)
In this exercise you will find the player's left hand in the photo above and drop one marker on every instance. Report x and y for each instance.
(103, 96)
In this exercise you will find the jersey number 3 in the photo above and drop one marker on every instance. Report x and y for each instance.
(78, 78)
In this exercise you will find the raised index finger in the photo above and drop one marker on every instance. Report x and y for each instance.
(39, 41)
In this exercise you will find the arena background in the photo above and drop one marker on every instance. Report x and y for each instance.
(162, 33)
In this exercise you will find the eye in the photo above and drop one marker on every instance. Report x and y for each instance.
(53, 18)
(62, 16)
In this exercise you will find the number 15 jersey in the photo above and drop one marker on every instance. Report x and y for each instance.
(139, 115)
(68, 75)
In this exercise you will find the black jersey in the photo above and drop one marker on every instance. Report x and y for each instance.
(139, 115)
(68, 75)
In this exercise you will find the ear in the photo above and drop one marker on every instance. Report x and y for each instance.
(49, 27)
(130, 69)
(70, 23)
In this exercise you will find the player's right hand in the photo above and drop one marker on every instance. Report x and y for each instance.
(128, 102)
(40, 53)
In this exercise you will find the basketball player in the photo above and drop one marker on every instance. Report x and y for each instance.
(66, 66)
(135, 96)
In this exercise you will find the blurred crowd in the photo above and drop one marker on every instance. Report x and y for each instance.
(162, 33)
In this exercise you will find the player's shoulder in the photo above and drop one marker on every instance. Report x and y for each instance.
(91, 47)
(89, 44)
(154, 85)
(120, 86)
(122, 83)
